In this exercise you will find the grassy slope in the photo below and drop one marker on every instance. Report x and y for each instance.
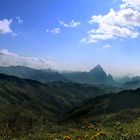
(109, 117)
(106, 104)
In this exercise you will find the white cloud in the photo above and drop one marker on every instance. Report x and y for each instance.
(12, 59)
(72, 24)
(131, 3)
(116, 24)
(107, 46)
(5, 26)
(19, 20)
(124, 18)
(94, 38)
(56, 31)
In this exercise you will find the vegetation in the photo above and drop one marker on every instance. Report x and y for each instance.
(30, 110)
(26, 105)
(81, 130)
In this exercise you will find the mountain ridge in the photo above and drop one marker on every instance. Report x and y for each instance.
(43, 76)
(96, 76)
(55, 97)
(107, 104)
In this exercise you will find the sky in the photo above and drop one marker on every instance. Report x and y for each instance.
(71, 34)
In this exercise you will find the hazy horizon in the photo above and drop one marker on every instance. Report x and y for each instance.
(71, 35)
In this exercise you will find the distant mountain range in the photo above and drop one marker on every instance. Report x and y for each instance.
(43, 76)
(133, 83)
(95, 76)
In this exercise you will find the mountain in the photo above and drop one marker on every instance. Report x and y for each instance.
(33, 110)
(79, 77)
(26, 105)
(134, 83)
(51, 98)
(108, 104)
(126, 83)
(123, 80)
(43, 76)
(99, 76)
(96, 76)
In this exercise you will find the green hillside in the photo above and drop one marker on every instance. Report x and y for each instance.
(111, 103)
(31, 110)
(108, 117)
(25, 103)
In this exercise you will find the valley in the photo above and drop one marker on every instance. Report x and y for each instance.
(61, 109)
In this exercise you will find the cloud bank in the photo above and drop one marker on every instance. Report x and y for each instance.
(12, 59)
(131, 3)
(116, 24)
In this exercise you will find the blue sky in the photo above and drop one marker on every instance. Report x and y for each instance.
(73, 35)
